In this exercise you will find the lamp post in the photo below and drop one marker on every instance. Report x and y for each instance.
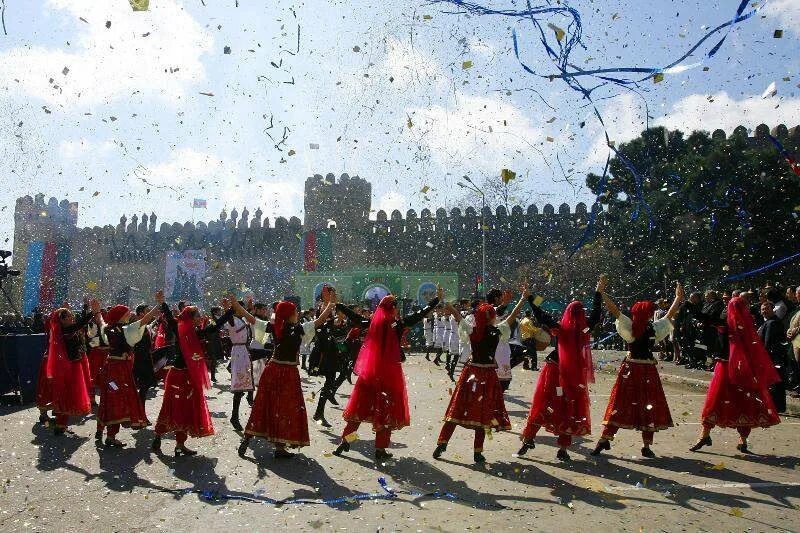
(470, 185)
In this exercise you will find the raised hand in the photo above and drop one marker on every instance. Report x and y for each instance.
(525, 291)
(679, 291)
(602, 283)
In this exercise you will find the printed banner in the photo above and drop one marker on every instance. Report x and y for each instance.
(317, 250)
(46, 276)
(185, 272)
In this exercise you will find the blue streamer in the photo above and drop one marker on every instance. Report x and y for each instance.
(763, 268)
(593, 214)
(601, 341)
(569, 72)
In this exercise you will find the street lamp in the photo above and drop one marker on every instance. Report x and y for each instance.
(470, 185)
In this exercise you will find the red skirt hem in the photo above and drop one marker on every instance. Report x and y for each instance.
(279, 409)
(69, 391)
(384, 404)
(120, 406)
(44, 395)
(477, 400)
(183, 409)
(637, 399)
(729, 406)
(557, 413)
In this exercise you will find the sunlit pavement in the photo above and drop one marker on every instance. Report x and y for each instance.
(68, 484)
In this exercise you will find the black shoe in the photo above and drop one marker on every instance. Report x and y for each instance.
(479, 458)
(183, 450)
(45, 420)
(742, 447)
(320, 419)
(647, 452)
(526, 445)
(602, 444)
(98, 435)
(382, 455)
(437, 362)
(114, 443)
(156, 446)
(440, 449)
(562, 455)
(452, 377)
(62, 431)
(281, 453)
(428, 357)
(342, 448)
(243, 446)
(236, 424)
(705, 441)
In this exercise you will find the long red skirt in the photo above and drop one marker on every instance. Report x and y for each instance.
(97, 360)
(184, 408)
(70, 390)
(90, 388)
(44, 396)
(729, 406)
(384, 404)
(637, 400)
(279, 409)
(553, 410)
(119, 400)
(477, 400)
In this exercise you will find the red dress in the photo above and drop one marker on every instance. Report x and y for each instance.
(119, 400)
(730, 406)
(738, 395)
(185, 408)
(637, 399)
(97, 359)
(279, 409)
(66, 365)
(477, 400)
(552, 409)
(43, 393)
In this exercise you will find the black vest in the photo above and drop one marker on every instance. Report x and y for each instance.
(642, 348)
(483, 351)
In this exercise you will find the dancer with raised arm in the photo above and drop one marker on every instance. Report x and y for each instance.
(637, 399)
(119, 399)
(379, 395)
(66, 370)
(561, 400)
(185, 409)
(738, 396)
(477, 401)
(279, 409)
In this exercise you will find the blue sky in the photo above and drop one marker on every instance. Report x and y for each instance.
(118, 110)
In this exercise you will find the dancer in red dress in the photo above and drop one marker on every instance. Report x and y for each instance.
(97, 355)
(738, 396)
(279, 410)
(44, 396)
(185, 409)
(65, 368)
(379, 395)
(477, 401)
(119, 399)
(561, 400)
(637, 399)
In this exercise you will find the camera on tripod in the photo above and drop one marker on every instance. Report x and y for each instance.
(5, 271)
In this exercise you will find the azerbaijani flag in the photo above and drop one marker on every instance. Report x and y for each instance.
(317, 250)
(199, 203)
(46, 276)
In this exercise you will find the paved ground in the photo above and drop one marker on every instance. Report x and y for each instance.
(67, 484)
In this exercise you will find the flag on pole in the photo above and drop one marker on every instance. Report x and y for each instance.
(199, 203)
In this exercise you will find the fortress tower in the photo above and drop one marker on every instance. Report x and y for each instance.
(345, 202)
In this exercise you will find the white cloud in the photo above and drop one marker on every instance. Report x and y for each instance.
(624, 119)
(720, 111)
(787, 12)
(484, 131)
(392, 200)
(75, 148)
(188, 166)
(109, 63)
(410, 66)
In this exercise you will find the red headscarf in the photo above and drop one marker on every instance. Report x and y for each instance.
(115, 314)
(483, 316)
(641, 315)
(381, 349)
(283, 311)
(574, 352)
(749, 365)
(192, 350)
(56, 351)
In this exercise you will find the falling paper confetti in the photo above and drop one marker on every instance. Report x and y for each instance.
(140, 5)
(466, 65)
(507, 175)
